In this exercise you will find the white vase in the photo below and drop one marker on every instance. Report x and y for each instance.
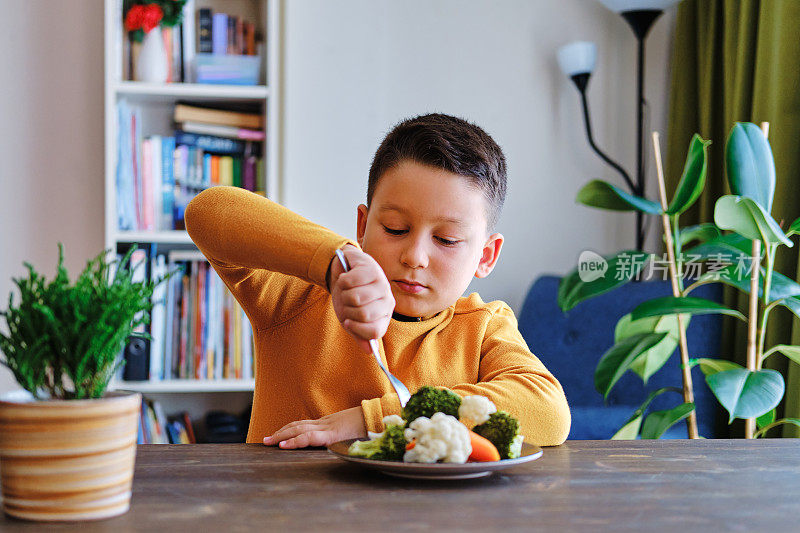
(151, 65)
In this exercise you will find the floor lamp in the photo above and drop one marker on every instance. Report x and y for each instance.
(577, 60)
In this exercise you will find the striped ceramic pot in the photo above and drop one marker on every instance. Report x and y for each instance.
(68, 459)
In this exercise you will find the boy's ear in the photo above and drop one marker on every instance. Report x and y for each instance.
(490, 255)
(361, 224)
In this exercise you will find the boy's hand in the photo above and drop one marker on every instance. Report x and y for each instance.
(347, 424)
(362, 296)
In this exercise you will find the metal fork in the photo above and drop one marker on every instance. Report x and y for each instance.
(399, 388)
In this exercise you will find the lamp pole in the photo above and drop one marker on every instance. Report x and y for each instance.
(640, 21)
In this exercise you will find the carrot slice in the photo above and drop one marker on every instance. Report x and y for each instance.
(482, 449)
(411, 444)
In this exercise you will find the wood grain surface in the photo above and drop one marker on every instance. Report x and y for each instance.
(666, 485)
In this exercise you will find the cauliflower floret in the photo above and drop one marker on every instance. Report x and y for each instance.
(393, 420)
(441, 437)
(475, 410)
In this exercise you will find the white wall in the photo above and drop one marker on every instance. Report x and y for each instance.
(51, 126)
(353, 68)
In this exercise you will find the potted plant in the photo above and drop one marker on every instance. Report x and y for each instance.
(143, 20)
(67, 447)
(647, 336)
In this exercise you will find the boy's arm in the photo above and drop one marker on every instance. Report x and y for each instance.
(248, 238)
(518, 383)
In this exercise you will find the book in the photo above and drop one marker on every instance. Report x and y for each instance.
(187, 424)
(220, 130)
(156, 181)
(223, 117)
(210, 143)
(226, 170)
(167, 183)
(204, 31)
(158, 318)
(188, 41)
(219, 33)
(126, 195)
(249, 38)
(237, 172)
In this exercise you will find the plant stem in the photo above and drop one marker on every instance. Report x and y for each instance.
(752, 324)
(688, 392)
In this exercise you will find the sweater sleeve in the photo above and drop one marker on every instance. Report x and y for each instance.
(269, 257)
(518, 383)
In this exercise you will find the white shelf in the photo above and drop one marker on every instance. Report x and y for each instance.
(158, 237)
(192, 90)
(186, 385)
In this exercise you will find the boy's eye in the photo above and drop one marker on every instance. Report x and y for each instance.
(391, 231)
(447, 242)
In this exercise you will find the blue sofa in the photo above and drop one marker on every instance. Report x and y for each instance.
(571, 344)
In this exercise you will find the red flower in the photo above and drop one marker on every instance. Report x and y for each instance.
(152, 16)
(145, 17)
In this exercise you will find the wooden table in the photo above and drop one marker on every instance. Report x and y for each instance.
(705, 485)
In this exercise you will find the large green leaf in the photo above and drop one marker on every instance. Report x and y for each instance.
(762, 431)
(712, 366)
(601, 194)
(619, 357)
(702, 233)
(738, 275)
(792, 352)
(765, 419)
(630, 429)
(694, 176)
(669, 305)
(658, 422)
(650, 361)
(747, 394)
(794, 228)
(730, 245)
(749, 162)
(748, 218)
(622, 267)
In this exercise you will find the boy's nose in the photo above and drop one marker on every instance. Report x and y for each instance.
(414, 255)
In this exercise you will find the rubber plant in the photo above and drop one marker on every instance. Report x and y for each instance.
(744, 231)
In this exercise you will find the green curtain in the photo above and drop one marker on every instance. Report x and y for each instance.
(739, 60)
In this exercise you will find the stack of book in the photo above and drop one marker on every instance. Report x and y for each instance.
(198, 329)
(157, 175)
(156, 428)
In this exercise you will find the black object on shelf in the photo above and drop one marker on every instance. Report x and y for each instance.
(137, 360)
(222, 427)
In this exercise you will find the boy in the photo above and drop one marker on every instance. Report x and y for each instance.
(436, 186)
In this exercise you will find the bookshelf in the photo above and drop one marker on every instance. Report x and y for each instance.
(155, 103)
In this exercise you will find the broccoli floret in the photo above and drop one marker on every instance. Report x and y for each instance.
(390, 446)
(502, 430)
(429, 400)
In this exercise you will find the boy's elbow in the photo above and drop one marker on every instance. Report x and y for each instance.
(199, 214)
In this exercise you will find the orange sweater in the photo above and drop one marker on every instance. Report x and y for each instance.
(307, 366)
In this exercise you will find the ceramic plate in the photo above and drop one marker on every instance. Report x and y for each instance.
(435, 470)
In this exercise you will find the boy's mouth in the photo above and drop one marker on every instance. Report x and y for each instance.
(411, 287)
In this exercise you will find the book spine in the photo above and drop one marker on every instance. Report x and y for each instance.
(209, 143)
(249, 173)
(231, 34)
(147, 207)
(168, 182)
(156, 179)
(219, 33)
(237, 171)
(188, 33)
(218, 130)
(204, 31)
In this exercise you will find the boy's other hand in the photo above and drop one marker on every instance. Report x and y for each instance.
(347, 424)
(362, 296)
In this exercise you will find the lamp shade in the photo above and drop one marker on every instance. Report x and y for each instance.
(621, 6)
(578, 57)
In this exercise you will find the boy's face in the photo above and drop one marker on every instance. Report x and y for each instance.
(427, 230)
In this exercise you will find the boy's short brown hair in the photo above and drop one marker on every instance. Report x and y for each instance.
(449, 143)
